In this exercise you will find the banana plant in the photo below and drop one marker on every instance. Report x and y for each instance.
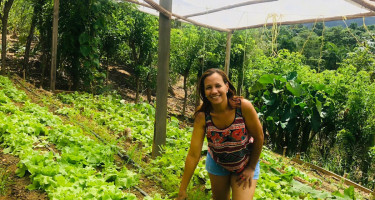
(291, 111)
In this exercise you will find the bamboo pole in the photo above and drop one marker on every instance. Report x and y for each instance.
(140, 3)
(346, 181)
(229, 7)
(368, 14)
(184, 18)
(54, 43)
(365, 4)
(227, 53)
(157, 7)
(177, 17)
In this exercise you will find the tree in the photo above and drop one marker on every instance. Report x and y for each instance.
(6, 6)
(80, 25)
(141, 43)
(37, 9)
(185, 50)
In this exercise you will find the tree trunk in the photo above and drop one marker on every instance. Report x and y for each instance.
(305, 138)
(76, 74)
(4, 20)
(28, 42)
(279, 140)
(107, 72)
(240, 81)
(44, 64)
(138, 82)
(197, 97)
(148, 90)
(186, 93)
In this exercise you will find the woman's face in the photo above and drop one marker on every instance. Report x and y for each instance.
(215, 89)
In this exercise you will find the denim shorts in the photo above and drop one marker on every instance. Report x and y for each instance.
(213, 168)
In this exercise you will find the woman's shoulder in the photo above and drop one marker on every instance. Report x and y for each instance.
(241, 103)
(200, 117)
(236, 101)
(199, 120)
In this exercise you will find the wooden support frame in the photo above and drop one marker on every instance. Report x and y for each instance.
(368, 14)
(227, 53)
(54, 44)
(159, 8)
(229, 7)
(177, 17)
(185, 18)
(365, 4)
(140, 3)
(160, 127)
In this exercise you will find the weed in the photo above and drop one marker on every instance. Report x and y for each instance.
(4, 180)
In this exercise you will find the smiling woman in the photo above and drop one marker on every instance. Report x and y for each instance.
(235, 140)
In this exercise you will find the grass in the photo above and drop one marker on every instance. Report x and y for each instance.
(4, 181)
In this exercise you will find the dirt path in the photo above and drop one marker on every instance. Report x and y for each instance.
(16, 186)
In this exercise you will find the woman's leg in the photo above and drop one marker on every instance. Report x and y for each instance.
(238, 193)
(220, 186)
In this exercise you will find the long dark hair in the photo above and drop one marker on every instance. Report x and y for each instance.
(206, 105)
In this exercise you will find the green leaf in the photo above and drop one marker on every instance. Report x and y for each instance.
(319, 107)
(257, 86)
(85, 50)
(83, 38)
(267, 79)
(291, 76)
(268, 101)
(21, 170)
(294, 88)
(350, 192)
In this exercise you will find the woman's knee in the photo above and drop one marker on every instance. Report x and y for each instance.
(239, 193)
(220, 187)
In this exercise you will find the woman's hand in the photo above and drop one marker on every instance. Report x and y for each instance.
(182, 195)
(245, 177)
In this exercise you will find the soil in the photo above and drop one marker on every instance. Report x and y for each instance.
(16, 186)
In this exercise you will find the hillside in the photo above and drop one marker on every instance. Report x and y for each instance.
(112, 119)
(368, 21)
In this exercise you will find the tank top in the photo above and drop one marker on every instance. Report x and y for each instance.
(229, 147)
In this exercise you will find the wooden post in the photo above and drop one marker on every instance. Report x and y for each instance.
(160, 128)
(298, 156)
(227, 53)
(54, 44)
(284, 151)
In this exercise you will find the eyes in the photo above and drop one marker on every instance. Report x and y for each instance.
(217, 86)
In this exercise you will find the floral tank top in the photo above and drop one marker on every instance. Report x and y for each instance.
(229, 147)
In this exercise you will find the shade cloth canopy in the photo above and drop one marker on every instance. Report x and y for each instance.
(225, 15)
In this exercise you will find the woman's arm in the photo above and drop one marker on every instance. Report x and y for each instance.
(255, 130)
(194, 153)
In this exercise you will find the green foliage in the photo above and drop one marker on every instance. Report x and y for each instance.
(20, 19)
(69, 173)
(80, 41)
(317, 113)
(290, 110)
(4, 180)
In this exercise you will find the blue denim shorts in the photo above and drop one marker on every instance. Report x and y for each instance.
(213, 168)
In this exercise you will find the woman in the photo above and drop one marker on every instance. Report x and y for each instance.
(235, 140)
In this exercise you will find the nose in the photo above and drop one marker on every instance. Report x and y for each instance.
(214, 90)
